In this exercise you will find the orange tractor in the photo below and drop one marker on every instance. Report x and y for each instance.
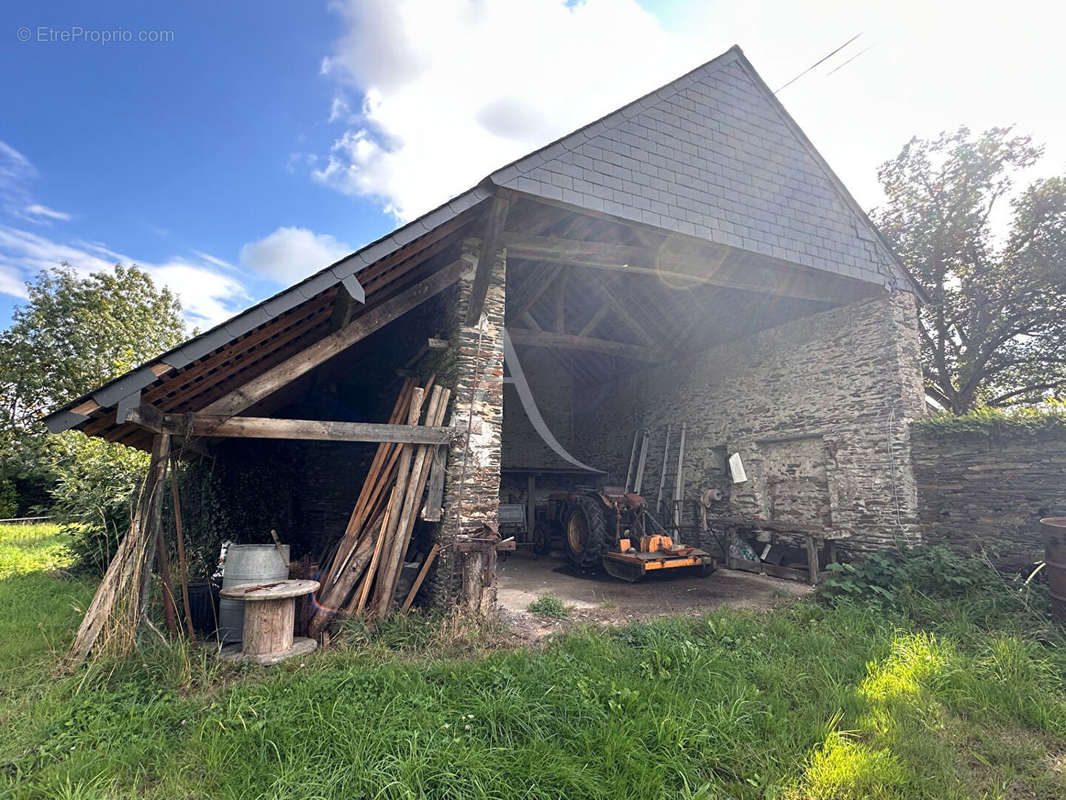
(612, 528)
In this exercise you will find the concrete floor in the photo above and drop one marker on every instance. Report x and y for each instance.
(523, 577)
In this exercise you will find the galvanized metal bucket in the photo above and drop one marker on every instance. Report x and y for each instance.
(247, 563)
(1054, 534)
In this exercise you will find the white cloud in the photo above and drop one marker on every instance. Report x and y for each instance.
(210, 259)
(290, 254)
(453, 89)
(36, 211)
(11, 282)
(449, 90)
(207, 296)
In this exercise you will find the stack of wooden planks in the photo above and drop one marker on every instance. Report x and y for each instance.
(362, 576)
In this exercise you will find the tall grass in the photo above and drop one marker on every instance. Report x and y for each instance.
(806, 702)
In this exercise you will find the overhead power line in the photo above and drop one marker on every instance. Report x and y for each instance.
(818, 62)
(865, 50)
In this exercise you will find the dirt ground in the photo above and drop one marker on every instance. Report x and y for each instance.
(522, 578)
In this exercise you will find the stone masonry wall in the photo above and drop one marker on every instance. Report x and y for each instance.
(472, 479)
(987, 489)
(818, 408)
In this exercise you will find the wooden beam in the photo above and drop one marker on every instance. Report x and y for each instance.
(490, 243)
(601, 312)
(540, 284)
(326, 348)
(304, 429)
(689, 264)
(568, 341)
(529, 321)
(623, 312)
(349, 297)
(560, 302)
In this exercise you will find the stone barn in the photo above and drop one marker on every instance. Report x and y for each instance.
(678, 285)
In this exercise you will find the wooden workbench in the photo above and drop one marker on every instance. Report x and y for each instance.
(815, 538)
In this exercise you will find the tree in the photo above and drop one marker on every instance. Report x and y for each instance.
(992, 259)
(73, 334)
(76, 333)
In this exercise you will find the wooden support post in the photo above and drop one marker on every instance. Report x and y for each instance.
(179, 533)
(157, 473)
(473, 580)
(490, 243)
(531, 505)
(812, 559)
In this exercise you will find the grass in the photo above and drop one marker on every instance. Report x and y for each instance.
(549, 606)
(808, 701)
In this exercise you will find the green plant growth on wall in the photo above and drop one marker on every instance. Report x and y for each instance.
(1046, 421)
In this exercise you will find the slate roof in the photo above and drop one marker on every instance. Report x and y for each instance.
(714, 155)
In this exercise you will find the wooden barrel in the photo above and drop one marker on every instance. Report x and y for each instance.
(1054, 534)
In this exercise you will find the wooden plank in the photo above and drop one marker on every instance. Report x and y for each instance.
(324, 349)
(416, 486)
(716, 265)
(490, 243)
(305, 429)
(569, 341)
(421, 577)
(761, 567)
(373, 484)
(86, 408)
(388, 534)
(433, 509)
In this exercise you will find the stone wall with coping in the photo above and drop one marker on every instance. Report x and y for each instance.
(986, 489)
(818, 408)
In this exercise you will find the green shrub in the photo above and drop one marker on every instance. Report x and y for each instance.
(900, 578)
(8, 499)
(94, 495)
(550, 606)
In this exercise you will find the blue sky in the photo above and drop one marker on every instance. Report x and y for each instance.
(264, 140)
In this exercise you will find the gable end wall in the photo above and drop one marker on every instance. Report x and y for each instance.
(842, 385)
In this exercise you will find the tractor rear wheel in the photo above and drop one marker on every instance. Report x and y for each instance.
(586, 533)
